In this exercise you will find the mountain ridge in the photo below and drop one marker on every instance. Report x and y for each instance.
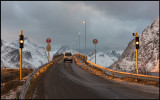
(33, 56)
(148, 54)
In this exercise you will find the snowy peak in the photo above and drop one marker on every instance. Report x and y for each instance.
(148, 54)
(155, 24)
(104, 58)
(152, 31)
(2, 42)
(26, 39)
(33, 56)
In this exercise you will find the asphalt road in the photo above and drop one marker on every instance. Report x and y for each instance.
(69, 81)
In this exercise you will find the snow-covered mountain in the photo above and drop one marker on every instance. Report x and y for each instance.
(148, 54)
(103, 58)
(32, 56)
(106, 58)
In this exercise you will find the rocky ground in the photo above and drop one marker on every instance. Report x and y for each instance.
(10, 83)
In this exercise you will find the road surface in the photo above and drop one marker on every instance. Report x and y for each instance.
(69, 81)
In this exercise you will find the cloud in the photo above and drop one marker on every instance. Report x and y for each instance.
(112, 23)
(128, 10)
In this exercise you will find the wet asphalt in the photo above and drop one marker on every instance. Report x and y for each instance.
(69, 81)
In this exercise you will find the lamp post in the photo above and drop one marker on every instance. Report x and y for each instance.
(79, 44)
(73, 47)
(76, 45)
(85, 36)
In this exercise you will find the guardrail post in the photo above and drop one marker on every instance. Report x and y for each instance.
(85, 57)
(112, 75)
(136, 80)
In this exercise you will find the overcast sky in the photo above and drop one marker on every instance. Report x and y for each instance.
(111, 22)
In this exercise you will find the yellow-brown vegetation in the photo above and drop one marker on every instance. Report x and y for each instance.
(10, 79)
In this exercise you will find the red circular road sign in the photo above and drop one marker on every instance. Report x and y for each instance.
(95, 41)
(48, 40)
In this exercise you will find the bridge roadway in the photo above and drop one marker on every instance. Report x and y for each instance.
(69, 81)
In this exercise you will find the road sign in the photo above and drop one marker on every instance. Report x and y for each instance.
(48, 47)
(95, 41)
(48, 40)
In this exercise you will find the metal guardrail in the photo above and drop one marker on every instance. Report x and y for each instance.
(83, 57)
(35, 74)
(27, 84)
(124, 74)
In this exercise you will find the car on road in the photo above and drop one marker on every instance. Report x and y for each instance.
(68, 56)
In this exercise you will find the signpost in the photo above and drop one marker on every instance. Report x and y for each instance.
(48, 47)
(21, 41)
(95, 41)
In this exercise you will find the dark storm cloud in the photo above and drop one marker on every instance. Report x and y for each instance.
(110, 22)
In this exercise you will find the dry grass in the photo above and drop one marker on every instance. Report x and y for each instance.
(11, 85)
(10, 79)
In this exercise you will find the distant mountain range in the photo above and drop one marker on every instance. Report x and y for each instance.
(103, 58)
(34, 56)
(148, 54)
(106, 58)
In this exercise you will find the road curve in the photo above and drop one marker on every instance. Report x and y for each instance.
(69, 81)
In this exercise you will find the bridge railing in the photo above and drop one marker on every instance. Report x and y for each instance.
(35, 74)
(83, 57)
(119, 73)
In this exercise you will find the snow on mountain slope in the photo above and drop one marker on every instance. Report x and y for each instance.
(148, 54)
(32, 56)
(102, 58)
(106, 58)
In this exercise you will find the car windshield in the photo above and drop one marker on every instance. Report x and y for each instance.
(68, 54)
